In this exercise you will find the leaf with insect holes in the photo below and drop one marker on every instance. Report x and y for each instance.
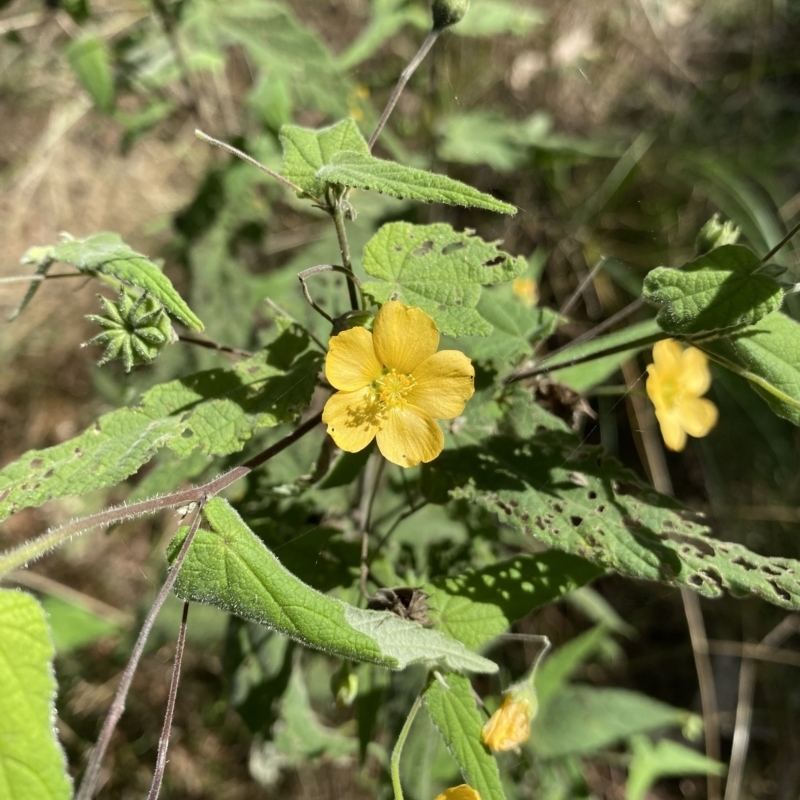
(105, 254)
(306, 151)
(231, 568)
(215, 412)
(32, 764)
(549, 487)
(722, 289)
(360, 170)
(438, 270)
(455, 715)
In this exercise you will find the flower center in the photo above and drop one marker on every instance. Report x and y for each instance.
(670, 392)
(392, 388)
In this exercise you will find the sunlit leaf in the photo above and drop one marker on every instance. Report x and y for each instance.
(88, 56)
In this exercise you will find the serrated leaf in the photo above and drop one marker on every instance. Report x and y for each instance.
(438, 270)
(584, 719)
(456, 717)
(32, 764)
(88, 56)
(768, 355)
(306, 151)
(721, 289)
(478, 605)
(574, 498)
(229, 567)
(107, 254)
(215, 412)
(666, 758)
(360, 170)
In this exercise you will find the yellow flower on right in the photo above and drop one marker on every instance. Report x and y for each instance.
(676, 382)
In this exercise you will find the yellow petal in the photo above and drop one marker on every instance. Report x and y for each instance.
(353, 419)
(671, 429)
(403, 336)
(667, 355)
(654, 386)
(698, 416)
(410, 436)
(462, 792)
(509, 726)
(695, 375)
(442, 384)
(351, 362)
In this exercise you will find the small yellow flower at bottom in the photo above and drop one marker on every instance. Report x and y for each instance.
(462, 792)
(675, 382)
(527, 290)
(393, 386)
(510, 725)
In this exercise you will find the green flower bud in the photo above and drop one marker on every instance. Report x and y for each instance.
(448, 12)
(715, 234)
(344, 685)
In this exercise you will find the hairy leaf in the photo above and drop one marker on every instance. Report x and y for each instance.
(438, 270)
(106, 254)
(478, 605)
(361, 170)
(230, 568)
(306, 151)
(584, 719)
(32, 764)
(721, 289)
(215, 412)
(768, 355)
(452, 710)
(574, 498)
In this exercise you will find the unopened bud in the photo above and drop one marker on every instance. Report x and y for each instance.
(448, 12)
(715, 234)
(344, 686)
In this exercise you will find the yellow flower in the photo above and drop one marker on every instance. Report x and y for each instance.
(675, 383)
(527, 290)
(510, 725)
(462, 792)
(393, 386)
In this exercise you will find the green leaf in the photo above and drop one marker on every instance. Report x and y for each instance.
(106, 254)
(584, 719)
(74, 626)
(459, 722)
(768, 355)
(215, 412)
(438, 270)
(666, 758)
(478, 605)
(721, 289)
(230, 568)
(515, 329)
(361, 170)
(88, 56)
(496, 17)
(619, 347)
(306, 151)
(32, 764)
(576, 499)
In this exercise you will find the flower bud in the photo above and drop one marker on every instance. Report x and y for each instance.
(448, 12)
(462, 792)
(510, 725)
(344, 685)
(715, 234)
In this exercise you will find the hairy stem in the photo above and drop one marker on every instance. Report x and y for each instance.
(337, 212)
(89, 782)
(398, 748)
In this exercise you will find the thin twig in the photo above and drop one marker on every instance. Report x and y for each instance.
(222, 348)
(573, 298)
(17, 557)
(398, 748)
(89, 782)
(744, 706)
(163, 742)
(307, 273)
(250, 160)
(35, 277)
(337, 212)
(369, 487)
(781, 243)
(401, 518)
(405, 75)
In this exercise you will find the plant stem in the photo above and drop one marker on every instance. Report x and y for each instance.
(89, 782)
(163, 742)
(19, 556)
(781, 243)
(222, 348)
(372, 477)
(405, 75)
(398, 748)
(337, 212)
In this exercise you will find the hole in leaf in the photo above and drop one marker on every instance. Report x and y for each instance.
(743, 562)
(77, 452)
(49, 473)
(453, 247)
(575, 521)
(423, 249)
(591, 494)
(768, 570)
(4, 494)
(36, 463)
(496, 261)
(695, 580)
(782, 593)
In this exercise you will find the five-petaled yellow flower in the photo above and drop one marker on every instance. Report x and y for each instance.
(675, 383)
(462, 792)
(510, 725)
(393, 386)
